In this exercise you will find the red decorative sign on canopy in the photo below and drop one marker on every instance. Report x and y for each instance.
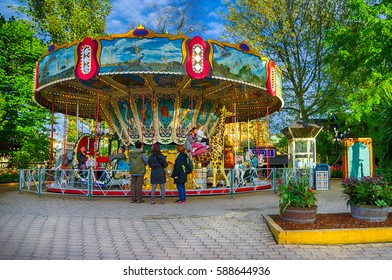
(87, 64)
(271, 79)
(197, 64)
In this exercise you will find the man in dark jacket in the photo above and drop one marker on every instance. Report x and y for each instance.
(179, 173)
(138, 162)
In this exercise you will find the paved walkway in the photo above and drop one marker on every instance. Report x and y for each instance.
(217, 228)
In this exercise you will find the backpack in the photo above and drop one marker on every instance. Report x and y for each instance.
(188, 165)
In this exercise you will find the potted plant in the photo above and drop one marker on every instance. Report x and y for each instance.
(297, 201)
(369, 197)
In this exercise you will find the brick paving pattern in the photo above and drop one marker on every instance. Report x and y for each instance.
(209, 228)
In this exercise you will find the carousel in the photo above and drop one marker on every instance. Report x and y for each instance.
(153, 88)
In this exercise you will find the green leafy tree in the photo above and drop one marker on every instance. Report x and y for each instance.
(2, 112)
(280, 142)
(291, 32)
(360, 63)
(359, 55)
(65, 21)
(328, 150)
(23, 122)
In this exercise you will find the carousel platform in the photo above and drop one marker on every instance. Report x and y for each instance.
(118, 190)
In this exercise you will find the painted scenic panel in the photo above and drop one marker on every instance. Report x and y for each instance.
(166, 109)
(237, 65)
(113, 118)
(126, 113)
(186, 111)
(144, 110)
(57, 65)
(134, 54)
(204, 112)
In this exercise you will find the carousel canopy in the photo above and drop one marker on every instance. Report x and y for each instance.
(155, 87)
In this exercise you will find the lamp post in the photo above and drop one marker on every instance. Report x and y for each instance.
(339, 132)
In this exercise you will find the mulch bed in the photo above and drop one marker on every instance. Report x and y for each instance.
(332, 221)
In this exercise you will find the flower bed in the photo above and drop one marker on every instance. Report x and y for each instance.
(332, 221)
(336, 171)
(330, 229)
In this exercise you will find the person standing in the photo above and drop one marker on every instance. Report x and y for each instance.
(138, 162)
(179, 173)
(157, 163)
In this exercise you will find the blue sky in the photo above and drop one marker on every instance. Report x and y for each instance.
(126, 13)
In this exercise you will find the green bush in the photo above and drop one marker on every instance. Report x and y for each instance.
(368, 190)
(9, 175)
(386, 172)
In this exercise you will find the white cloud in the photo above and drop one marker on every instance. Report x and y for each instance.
(215, 30)
(132, 13)
(213, 14)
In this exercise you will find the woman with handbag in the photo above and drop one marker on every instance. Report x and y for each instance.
(157, 163)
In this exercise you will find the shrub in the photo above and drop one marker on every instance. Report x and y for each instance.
(368, 191)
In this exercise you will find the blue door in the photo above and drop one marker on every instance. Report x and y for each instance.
(358, 161)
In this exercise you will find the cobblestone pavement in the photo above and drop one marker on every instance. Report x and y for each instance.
(215, 227)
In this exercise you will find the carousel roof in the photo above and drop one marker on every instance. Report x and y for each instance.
(142, 71)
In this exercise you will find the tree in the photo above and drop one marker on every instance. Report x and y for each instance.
(360, 61)
(178, 17)
(2, 112)
(291, 32)
(65, 21)
(23, 121)
(359, 55)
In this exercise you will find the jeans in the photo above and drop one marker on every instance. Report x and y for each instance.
(154, 187)
(181, 192)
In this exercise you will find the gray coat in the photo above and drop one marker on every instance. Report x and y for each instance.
(189, 141)
(157, 164)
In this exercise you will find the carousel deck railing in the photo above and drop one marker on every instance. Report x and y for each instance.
(91, 182)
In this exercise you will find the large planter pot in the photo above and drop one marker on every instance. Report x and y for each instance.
(369, 213)
(298, 214)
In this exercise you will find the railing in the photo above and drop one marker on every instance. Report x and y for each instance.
(117, 183)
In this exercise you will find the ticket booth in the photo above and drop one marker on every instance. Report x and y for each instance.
(301, 136)
(357, 160)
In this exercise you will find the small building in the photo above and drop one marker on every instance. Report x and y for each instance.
(301, 136)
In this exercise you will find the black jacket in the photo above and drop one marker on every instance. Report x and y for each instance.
(157, 164)
(179, 169)
(82, 159)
